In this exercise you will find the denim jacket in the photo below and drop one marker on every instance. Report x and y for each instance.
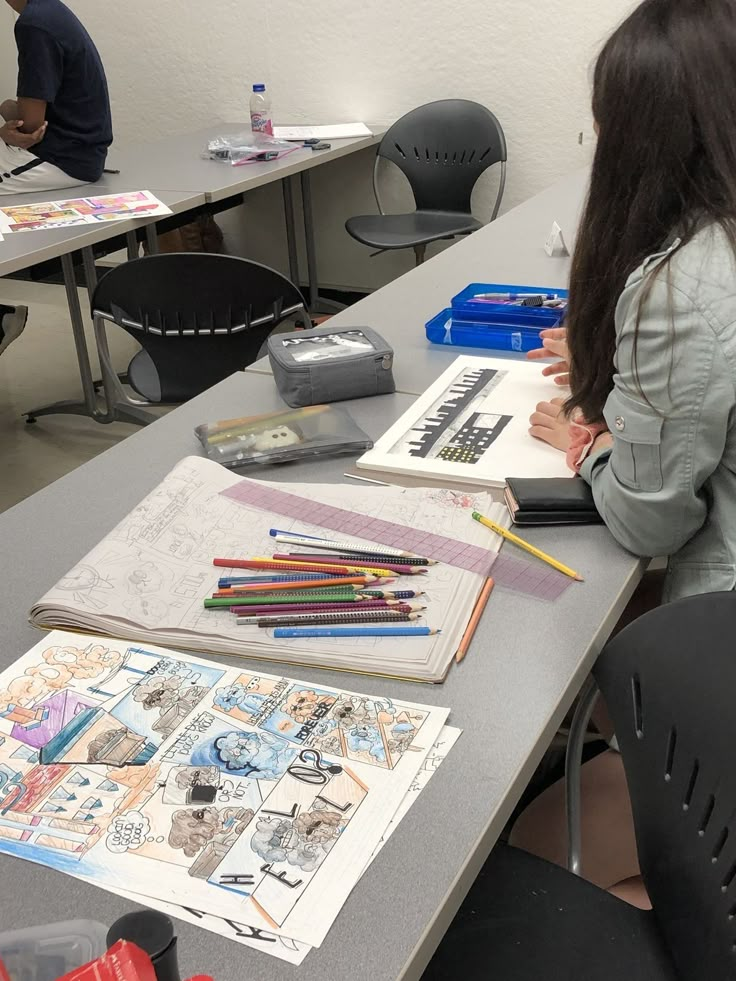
(668, 486)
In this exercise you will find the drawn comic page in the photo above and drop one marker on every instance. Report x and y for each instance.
(249, 796)
(284, 948)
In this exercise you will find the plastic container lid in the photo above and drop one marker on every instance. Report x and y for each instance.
(260, 87)
(46, 953)
(154, 933)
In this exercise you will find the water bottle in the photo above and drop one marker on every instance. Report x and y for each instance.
(260, 111)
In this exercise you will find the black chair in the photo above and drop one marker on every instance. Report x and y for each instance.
(198, 317)
(442, 148)
(669, 681)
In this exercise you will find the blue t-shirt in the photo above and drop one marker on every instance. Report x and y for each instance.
(59, 64)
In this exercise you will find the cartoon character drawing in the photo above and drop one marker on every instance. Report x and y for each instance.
(300, 704)
(303, 842)
(171, 696)
(367, 739)
(193, 829)
(240, 697)
(146, 578)
(258, 755)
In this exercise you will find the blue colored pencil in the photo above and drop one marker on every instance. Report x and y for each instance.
(296, 632)
(252, 580)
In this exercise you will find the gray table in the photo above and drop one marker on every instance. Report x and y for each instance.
(29, 248)
(177, 163)
(509, 250)
(526, 664)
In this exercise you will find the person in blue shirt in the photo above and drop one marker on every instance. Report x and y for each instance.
(56, 132)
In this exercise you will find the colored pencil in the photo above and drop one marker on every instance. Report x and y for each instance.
(287, 566)
(282, 633)
(265, 580)
(367, 564)
(255, 599)
(275, 587)
(291, 538)
(322, 619)
(402, 594)
(278, 610)
(478, 610)
(389, 559)
(538, 553)
(268, 591)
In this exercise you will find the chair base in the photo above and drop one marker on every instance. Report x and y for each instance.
(527, 920)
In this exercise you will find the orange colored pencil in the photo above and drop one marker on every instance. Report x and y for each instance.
(478, 611)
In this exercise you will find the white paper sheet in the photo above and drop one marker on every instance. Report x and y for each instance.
(247, 795)
(337, 131)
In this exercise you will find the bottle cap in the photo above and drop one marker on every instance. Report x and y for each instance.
(260, 87)
(154, 933)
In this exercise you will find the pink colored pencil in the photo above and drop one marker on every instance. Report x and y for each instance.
(324, 608)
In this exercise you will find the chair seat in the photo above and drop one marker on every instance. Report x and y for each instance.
(527, 920)
(143, 377)
(406, 231)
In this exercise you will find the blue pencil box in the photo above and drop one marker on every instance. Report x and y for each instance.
(472, 321)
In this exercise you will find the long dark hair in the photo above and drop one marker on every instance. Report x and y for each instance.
(664, 99)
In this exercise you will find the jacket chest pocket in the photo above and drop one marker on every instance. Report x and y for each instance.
(637, 432)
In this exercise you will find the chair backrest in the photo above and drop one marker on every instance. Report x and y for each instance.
(443, 148)
(669, 680)
(200, 317)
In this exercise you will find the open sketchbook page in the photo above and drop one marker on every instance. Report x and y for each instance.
(147, 579)
(281, 947)
(255, 798)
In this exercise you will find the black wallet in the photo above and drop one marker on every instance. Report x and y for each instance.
(550, 501)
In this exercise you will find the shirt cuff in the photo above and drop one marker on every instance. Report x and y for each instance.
(592, 461)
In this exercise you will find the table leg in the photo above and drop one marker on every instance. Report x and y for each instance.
(288, 190)
(152, 239)
(131, 242)
(89, 406)
(316, 303)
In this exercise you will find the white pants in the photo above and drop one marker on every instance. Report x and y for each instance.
(20, 172)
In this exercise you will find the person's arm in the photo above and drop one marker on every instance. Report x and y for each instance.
(9, 110)
(40, 75)
(648, 476)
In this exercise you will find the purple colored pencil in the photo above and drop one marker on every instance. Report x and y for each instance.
(322, 608)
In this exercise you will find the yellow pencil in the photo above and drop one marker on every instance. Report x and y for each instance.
(511, 537)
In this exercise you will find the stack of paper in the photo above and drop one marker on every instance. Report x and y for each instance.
(248, 803)
(146, 581)
(334, 131)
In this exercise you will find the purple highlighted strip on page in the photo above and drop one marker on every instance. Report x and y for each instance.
(534, 579)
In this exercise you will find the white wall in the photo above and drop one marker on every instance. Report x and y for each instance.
(175, 64)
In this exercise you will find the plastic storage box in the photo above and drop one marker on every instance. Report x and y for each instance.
(473, 322)
(45, 953)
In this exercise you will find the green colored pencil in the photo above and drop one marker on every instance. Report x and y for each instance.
(260, 600)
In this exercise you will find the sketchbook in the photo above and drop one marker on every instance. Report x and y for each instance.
(472, 426)
(146, 581)
(251, 797)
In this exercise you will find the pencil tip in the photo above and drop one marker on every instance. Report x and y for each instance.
(579, 579)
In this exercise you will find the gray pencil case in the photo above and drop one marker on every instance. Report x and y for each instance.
(312, 367)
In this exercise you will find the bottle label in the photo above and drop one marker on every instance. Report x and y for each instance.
(260, 122)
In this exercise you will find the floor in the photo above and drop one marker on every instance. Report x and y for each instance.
(41, 367)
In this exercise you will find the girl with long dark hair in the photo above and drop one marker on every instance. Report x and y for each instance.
(651, 325)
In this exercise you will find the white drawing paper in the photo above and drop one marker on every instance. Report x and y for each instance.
(284, 948)
(472, 425)
(258, 798)
(146, 581)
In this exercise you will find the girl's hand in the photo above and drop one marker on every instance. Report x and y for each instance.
(554, 345)
(550, 424)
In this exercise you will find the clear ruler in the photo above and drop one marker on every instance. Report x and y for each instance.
(535, 579)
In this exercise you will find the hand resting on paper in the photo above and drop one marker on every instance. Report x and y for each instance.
(554, 345)
(550, 424)
(12, 134)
